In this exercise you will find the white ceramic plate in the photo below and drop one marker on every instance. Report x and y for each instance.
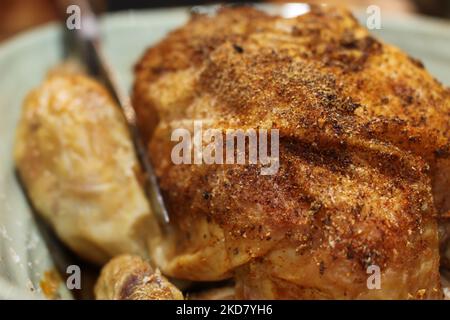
(24, 61)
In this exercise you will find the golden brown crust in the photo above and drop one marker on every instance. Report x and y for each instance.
(362, 127)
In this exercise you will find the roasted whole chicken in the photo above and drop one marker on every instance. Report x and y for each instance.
(364, 156)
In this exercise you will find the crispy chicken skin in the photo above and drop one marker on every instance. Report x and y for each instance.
(75, 157)
(363, 150)
(129, 277)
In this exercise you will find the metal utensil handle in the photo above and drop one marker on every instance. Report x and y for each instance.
(84, 45)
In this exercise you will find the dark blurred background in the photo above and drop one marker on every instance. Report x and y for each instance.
(20, 15)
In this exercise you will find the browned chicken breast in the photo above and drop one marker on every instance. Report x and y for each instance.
(364, 148)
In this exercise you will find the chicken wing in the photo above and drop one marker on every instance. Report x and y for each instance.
(77, 161)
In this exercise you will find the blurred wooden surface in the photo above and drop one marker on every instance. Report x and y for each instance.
(20, 15)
